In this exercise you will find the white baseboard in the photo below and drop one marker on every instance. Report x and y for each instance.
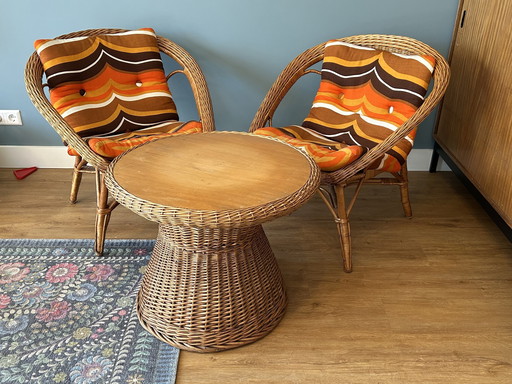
(12, 156)
(24, 156)
(419, 160)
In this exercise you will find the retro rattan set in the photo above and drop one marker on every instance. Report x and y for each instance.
(212, 282)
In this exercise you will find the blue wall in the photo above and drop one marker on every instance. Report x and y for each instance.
(240, 45)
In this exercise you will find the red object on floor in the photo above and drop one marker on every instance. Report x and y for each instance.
(22, 173)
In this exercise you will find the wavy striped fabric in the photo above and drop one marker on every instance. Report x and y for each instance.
(112, 146)
(330, 155)
(366, 94)
(109, 84)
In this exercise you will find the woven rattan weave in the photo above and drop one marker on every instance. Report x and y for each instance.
(334, 183)
(212, 282)
(88, 161)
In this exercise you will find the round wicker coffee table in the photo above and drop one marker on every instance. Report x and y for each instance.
(212, 282)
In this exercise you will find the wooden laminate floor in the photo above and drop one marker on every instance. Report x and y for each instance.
(429, 301)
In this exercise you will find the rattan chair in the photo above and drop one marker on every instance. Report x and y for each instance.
(88, 161)
(333, 185)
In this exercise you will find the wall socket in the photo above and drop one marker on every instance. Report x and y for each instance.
(10, 117)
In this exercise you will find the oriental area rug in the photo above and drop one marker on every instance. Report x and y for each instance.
(68, 316)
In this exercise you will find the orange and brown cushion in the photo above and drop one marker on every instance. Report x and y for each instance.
(112, 146)
(328, 154)
(109, 85)
(366, 94)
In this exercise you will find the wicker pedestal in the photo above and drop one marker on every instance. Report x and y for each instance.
(209, 290)
(212, 282)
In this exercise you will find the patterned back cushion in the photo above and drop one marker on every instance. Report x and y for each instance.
(365, 94)
(107, 84)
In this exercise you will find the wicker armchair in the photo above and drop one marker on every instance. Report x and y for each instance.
(333, 185)
(87, 160)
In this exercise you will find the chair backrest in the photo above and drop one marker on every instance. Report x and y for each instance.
(34, 77)
(302, 64)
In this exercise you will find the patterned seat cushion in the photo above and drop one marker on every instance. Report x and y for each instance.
(114, 145)
(109, 87)
(330, 155)
(365, 94)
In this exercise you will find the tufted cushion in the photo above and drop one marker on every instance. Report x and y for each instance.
(107, 84)
(366, 94)
(328, 154)
(112, 146)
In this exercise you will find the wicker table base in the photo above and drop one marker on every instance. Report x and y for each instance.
(207, 290)
(212, 282)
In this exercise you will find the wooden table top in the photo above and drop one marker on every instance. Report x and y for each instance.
(213, 171)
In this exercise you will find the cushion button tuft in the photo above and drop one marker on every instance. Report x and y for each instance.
(82, 92)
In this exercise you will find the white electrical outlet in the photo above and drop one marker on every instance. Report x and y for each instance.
(10, 117)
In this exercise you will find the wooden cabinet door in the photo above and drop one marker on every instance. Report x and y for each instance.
(475, 123)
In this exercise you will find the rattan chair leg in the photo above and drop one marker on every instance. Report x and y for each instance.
(102, 213)
(77, 178)
(343, 227)
(334, 199)
(404, 191)
(101, 229)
